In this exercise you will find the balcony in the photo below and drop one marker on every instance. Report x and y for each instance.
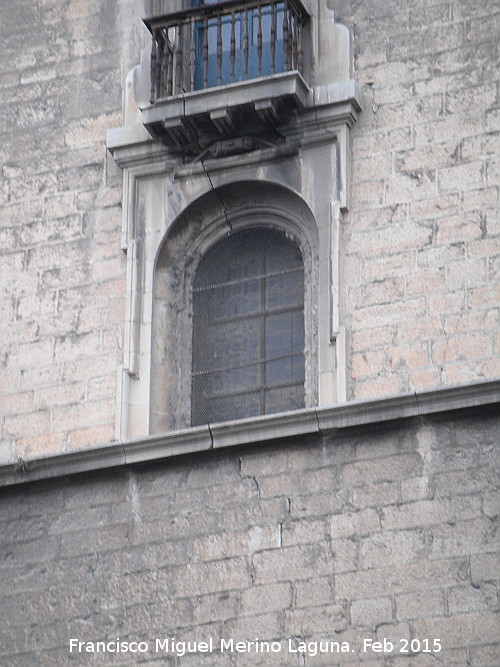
(226, 70)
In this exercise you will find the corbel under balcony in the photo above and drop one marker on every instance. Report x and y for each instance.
(192, 121)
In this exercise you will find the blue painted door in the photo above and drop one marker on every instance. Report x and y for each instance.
(239, 64)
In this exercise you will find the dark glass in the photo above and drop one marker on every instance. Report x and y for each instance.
(248, 327)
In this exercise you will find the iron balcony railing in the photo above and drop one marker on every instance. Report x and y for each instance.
(218, 44)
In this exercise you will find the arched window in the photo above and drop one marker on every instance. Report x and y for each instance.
(248, 327)
(235, 308)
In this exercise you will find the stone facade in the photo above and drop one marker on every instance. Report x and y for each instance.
(371, 533)
(422, 233)
(419, 248)
(335, 527)
(62, 272)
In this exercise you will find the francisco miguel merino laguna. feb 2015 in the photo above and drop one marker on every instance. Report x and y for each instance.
(180, 648)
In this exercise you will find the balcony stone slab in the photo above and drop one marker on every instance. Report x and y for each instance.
(192, 121)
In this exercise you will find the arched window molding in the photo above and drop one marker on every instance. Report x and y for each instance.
(198, 228)
(303, 184)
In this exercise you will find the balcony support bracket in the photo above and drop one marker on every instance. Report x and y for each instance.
(223, 121)
(179, 131)
(267, 112)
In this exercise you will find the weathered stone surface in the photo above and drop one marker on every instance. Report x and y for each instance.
(59, 96)
(420, 231)
(384, 532)
(138, 554)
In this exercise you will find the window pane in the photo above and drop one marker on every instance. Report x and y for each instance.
(224, 383)
(285, 371)
(248, 327)
(285, 289)
(284, 334)
(230, 300)
(286, 398)
(228, 345)
(236, 259)
(220, 409)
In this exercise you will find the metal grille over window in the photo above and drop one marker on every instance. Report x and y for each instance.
(248, 328)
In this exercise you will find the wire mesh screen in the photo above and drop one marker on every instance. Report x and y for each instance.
(248, 328)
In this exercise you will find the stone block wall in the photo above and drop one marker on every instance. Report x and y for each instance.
(369, 534)
(385, 532)
(62, 273)
(420, 247)
(422, 237)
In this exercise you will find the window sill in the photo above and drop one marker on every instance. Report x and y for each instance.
(259, 430)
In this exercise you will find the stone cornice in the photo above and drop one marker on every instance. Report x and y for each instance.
(330, 108)
(260, 430)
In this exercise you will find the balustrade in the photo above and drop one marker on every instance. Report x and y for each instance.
(220, 44)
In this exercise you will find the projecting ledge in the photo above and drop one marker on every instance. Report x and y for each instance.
(197, 118)
(259, 431)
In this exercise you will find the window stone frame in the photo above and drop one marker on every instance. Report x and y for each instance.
(311, 167)
(197, 229)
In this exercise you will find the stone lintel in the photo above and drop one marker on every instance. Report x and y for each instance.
(131, 147)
